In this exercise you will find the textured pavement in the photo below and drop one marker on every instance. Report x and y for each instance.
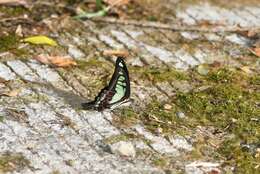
(45, 124)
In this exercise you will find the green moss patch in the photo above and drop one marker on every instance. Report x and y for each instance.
(1, 118)
(121, 137)
(125, 117)
(13, 11)
(10, 162)
(229, 104)
(94, 74)
(161, 161)
(158, 74)
(241, 158)
(156, 117)
(93, 63)
(103, 70)
(8, 42)
(255, 80)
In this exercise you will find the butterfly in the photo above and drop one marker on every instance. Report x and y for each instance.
(116, 93)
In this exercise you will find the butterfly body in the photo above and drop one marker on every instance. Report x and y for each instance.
(116, 93)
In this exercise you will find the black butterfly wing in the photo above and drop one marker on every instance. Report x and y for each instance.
(120, 83)
(117, 91)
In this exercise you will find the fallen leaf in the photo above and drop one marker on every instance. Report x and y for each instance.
(120, 53)
(256, 51)
(12, 93)
(40, 40)
(56, 60)
(13, 2)
(62, 62)
(116, 2)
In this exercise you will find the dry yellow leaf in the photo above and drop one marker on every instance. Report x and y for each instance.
(43, 40)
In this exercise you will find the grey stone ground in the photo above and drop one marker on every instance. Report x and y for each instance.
(48, 97)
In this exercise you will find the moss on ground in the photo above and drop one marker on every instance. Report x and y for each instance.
(1, 118)
(230, 104)
(13, 11)
(125, 117)
(100, 71)
(158, 74)
(121, 137)
(161, 161)
(93, 63)
(255, 80)
(10, 162)
(152, 73)
(156, 116)
(8, 42)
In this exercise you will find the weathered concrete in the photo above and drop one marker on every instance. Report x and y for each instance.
(44, 121)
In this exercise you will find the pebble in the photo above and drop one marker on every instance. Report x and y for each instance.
(167, 107)
(180, 115)
(123, 148)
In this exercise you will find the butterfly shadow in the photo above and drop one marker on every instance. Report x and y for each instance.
(69, 97)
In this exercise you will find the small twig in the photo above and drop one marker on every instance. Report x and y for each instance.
(15, 109)
(158, 25)
(23, 19)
